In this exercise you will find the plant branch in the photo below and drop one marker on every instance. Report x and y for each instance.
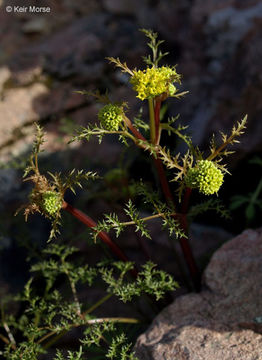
(113, 319)
(10, 335)
(188, 255)
(257, 192)
(236, 131)
(157, 120)
(103, 236)
(146, 218)
(74, 292)
(5, 340)
(87, 322)
(135, 132)
(97, 304)
(185, 204)
(163, 180)
(195, 275)
(152, 121)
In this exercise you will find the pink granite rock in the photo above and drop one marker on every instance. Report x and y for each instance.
(221, 322)
(17, 108)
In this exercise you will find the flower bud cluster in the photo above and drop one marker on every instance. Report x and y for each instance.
(205, 176)
(110, 117)
(154, 81)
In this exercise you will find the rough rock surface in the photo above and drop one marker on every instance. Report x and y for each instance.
(216, 44)
(221, 322)
(121, 7)
(223, 77)
(45, 58)
(17, 107)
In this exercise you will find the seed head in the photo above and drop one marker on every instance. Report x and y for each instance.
(205, 176)
(110, 117)
(52, 202)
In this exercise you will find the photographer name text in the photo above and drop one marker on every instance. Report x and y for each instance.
(28, 9)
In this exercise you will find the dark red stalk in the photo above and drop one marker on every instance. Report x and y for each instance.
(185, 204)
(135, 132)
(188, 255)
(103, 236)
(163, 180)
(185, 244)
(158, 163)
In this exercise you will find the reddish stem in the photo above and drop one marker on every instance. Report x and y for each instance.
(185, 244)
(135, 132)
(185, 204)
(189, 258)
(103, 236)
(163, 180)
(188, 255)
(158, 163)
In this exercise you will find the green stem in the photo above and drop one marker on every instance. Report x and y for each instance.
(257, 192)
(9, 333)
(157, 120)
(58, 336)
(114, 319)
(88, 322)
(97, 304)
(152, 120)
(146, 218)
(155, 139)
(5, 340)
(54, 340)
(73, 289)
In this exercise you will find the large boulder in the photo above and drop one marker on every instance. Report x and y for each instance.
(224, 321)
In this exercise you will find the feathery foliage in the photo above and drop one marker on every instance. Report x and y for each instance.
(54, 300)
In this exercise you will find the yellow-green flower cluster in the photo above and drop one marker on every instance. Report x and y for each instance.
(205, 176)
(52, 202)
(110, 117)
(154, 81)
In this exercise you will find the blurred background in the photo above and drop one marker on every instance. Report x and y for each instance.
(46, 57)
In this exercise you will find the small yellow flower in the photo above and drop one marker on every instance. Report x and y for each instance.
(154, 81)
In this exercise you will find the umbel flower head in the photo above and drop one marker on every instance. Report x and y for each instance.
(205, 176)
(154, 81)
(111, 116)
(51, 202)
